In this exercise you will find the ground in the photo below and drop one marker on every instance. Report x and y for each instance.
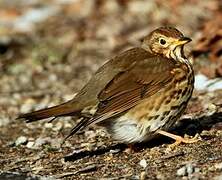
(50, 49)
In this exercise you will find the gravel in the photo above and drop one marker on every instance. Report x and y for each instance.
(21, 140)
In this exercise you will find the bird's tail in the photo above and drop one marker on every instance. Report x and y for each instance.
(64, 109)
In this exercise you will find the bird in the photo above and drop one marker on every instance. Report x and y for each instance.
(137, 95)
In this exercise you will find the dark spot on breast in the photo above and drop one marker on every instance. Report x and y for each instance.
(172, 95)
(148, 129)
(167, 101)
(181, 79)
(174, 107)
(170, 117)
(162, 118)
(184, 103)
(179, 91)
(184, 91)
(166, 113)
(191, 79)
(155, 117)
(184, 78)
(149, 118)
(152, 117)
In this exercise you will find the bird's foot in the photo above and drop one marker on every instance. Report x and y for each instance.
(179, 139)
(132, 148)
(186, 140)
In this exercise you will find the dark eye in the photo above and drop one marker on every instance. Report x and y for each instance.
(162, 41)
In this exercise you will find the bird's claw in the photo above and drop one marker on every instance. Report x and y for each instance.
(186, 140)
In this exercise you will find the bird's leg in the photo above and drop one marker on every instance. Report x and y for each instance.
(131, 149)
(178, 139)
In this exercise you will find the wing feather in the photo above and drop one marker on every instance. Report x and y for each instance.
(129, 88)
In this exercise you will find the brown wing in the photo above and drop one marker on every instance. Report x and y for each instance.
(128, 88)
(135, 75)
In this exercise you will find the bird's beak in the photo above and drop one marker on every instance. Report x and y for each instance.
(183, 40)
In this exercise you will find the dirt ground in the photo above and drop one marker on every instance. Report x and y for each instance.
(49, 50)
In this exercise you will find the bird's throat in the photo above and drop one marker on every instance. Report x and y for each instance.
(178, 54)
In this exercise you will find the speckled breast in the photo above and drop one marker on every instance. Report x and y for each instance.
(159, 111)
(165, 107)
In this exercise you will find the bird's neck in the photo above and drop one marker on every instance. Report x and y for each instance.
(178, 55)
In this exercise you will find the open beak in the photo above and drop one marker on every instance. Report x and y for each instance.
(183, 40)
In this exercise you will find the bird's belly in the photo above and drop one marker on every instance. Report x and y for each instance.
(157, 112)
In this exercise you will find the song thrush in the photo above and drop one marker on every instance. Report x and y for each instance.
(137, 94)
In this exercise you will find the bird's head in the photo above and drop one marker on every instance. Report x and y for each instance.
(165, 41)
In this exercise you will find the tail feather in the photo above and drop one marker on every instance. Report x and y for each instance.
(56, 111)
(75, 129)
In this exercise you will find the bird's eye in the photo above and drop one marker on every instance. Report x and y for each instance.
(162, 41)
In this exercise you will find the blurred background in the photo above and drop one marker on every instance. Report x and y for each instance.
(50, 48)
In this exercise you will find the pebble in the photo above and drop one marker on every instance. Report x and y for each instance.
(181, 171)
(41, 141)
(48, 125)
(143, 163)
(90, 134)
(218, 166)
(21, 140)
(36, 144)
(30, 144)
(190, 169)
(160, 176)
(187, 170)
(58, 126)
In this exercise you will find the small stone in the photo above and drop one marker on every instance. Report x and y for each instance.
(41, 141)
(30, 144)
(218, 166)
(143, 163)
(58, 126)
(48, 125)
(189, 169)
(186, 170)
(160, 176)
(21, 140)
(197, 170)
(56, 143)
(182, 171)
(67, 124)
(90, 134)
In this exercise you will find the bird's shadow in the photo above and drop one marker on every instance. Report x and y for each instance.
(185, 126)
